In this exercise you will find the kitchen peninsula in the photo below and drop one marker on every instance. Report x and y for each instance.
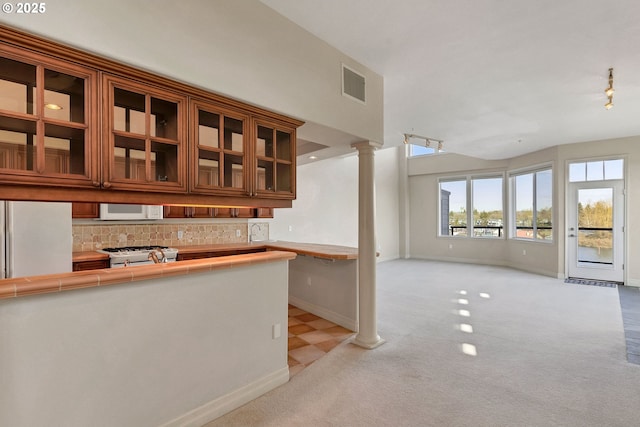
(169, 344)
(322, 278)
(190, 340)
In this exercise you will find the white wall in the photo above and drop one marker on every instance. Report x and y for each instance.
(326, 210)
(239, 48)
(544, 258)
(144, 353)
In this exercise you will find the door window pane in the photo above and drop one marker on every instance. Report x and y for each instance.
(64, 150)
(17, 144)
(208, 168)
(164, 162)
(265, 141)
(595, 225)
(595, 171)
(208, 129)
(129, 111)
(283, 145)
(63, 96)
(577, 172)
(233, 139)
(283, 182)
(17, 86)
(164, 119)
(129, 159)
(614, 169)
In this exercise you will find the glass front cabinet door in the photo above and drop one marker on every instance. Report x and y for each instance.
(219, 161)
(146, 137)
(47, 122)
(275, 172)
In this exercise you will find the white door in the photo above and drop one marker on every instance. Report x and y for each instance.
(595, 237)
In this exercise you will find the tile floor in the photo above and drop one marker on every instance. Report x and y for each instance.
(310, 338)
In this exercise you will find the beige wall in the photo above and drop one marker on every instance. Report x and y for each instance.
(242, 49)
(541, 257)
(326, 210)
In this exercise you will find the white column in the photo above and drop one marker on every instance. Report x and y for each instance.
(367, 336)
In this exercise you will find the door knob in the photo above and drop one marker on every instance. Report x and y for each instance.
(572, 235)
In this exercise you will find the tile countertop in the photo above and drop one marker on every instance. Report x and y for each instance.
(312, 249)
(23, 286)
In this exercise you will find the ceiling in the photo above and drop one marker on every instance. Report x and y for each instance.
(492, 78)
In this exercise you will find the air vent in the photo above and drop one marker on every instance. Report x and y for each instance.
(353, 84)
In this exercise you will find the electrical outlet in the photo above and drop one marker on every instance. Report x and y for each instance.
(450, 245)
(291, 228)
(237, 233)
(524, 252)
(180, 234)
(309, 280)
(275, 331)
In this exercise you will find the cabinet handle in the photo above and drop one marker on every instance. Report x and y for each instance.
(106, 184)
(95, 184)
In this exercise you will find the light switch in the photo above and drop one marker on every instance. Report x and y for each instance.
(276, 331)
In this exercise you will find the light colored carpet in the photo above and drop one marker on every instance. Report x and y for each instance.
(548, 354)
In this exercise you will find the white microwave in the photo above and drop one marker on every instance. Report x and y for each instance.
(114, 211)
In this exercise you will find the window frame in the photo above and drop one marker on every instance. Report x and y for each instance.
(513, 200)
(469, 178)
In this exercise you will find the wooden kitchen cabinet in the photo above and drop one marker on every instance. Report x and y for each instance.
(78, 127)
(188, 212)
(275, 167)
(144, 137)
(234, 212)
(90, 265)
(48, 121)
(85, 210)
(264, 213)
(219, 163)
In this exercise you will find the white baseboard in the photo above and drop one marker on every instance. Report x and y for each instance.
(633, 282)
(227, 403)
(332, 316)
(500, 263)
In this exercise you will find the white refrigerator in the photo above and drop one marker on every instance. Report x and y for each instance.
(36, 238)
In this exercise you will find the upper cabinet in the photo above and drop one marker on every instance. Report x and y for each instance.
(220, 150)
(145, 136)
(81, 128)
(47, 121)
(275, 153)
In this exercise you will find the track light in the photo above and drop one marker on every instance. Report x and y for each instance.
(609, 91)
(427, 140)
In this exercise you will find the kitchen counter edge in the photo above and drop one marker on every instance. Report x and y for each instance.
(24, 286)
(334, 252)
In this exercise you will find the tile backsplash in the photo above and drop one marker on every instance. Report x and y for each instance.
(89, 237)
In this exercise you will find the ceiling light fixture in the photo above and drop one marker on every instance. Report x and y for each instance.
(427, 140)
(609, 91)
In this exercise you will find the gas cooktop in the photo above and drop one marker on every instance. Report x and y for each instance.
(134, 248)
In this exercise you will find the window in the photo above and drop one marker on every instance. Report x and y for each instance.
(420, 150)
(484, 194)
(487, 207)
(532, 203)
(453, 208)
(599, 170)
